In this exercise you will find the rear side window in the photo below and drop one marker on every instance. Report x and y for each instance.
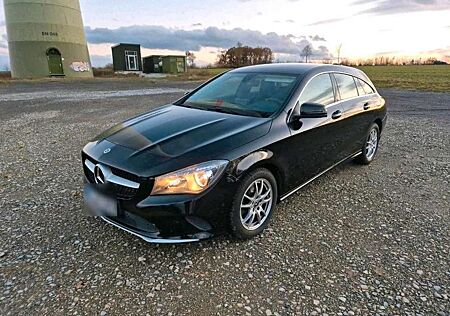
(318, 90)
(364, 87)
(346, 85)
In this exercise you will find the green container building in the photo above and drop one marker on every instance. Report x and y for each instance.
(126, 57)
(46, 38)
(171, 64)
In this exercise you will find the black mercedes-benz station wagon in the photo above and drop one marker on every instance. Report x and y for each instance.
(220, 158)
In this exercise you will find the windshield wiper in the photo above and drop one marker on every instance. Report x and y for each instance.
(233, 111)
(191, 106)
(222, 109)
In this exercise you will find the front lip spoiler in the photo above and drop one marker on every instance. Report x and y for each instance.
(149, 239)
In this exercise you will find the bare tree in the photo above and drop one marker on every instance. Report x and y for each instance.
(338, 51)
(306, 52)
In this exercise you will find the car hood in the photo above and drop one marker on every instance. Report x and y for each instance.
(173, 137)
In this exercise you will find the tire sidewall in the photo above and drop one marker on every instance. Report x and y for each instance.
(237, 228)
(364, 154)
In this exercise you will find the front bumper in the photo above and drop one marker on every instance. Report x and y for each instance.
(145, 236)
(170, 218)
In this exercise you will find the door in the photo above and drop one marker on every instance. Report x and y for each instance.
(131, 60)
(316, 145)
(356, 112)
(55, 66)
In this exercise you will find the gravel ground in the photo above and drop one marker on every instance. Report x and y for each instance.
(359, 240)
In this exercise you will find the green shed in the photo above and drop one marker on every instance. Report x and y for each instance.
(171, 64)
(152, 64)
(174, 64)
(127, 57)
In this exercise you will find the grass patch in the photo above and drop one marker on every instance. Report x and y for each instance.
(198, 74)
(434, 78)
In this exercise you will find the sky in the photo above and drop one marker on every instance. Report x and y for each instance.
(364, 28)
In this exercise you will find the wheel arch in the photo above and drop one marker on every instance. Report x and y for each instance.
(379, 122)
(261, 159)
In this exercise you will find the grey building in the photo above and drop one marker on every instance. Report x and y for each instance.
(127, 57)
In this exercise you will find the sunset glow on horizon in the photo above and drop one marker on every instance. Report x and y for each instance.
(365, 28)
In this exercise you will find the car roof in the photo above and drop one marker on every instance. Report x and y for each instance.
(303, 69)
(297, 68)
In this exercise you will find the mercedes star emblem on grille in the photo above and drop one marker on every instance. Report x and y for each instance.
(99, 176)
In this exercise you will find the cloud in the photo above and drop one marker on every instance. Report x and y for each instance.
(383, 7)
(100, 61)
(160, 37)
(328, 21)
(3, 45)
(439, 51)
(196, 24)
(392, 52)
(317, 38)
(284, 21)
(2, 23)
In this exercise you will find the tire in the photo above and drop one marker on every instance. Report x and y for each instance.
(370, 147)
(252, 209)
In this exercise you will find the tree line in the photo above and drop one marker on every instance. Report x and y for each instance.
(240, 55)
(392, 61)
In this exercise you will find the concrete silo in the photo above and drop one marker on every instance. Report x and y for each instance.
(46, 38)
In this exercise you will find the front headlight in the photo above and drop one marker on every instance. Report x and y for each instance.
(191, 180)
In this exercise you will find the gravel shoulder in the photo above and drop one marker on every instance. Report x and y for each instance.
(357, 241)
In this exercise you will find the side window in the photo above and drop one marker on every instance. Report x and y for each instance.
(346, 85)
(359, 86)
(365, 87)
(318, 90)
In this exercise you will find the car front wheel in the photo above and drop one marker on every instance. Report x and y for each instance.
(253, 204)
(370, 146)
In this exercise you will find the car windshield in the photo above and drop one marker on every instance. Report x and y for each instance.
(254, 94)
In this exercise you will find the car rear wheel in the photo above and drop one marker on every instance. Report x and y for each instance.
(253, 204)
(370, 146)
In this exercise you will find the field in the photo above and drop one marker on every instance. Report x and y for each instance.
(414, 77)
(360, 240)
(425, 78)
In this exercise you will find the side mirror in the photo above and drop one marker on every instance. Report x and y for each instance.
(306, 110)
(312, 110)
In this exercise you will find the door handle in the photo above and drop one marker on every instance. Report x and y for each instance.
(336, 114)
(366, 106)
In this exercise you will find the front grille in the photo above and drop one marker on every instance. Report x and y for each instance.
(125, 187)
(124, 193)
(125, 175)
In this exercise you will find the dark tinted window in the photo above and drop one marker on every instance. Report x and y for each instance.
(259, 94)
(366, 88)
(346, 85)
(318, 90)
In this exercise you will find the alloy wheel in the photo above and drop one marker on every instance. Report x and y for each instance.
(372, 144)
(256, 204)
